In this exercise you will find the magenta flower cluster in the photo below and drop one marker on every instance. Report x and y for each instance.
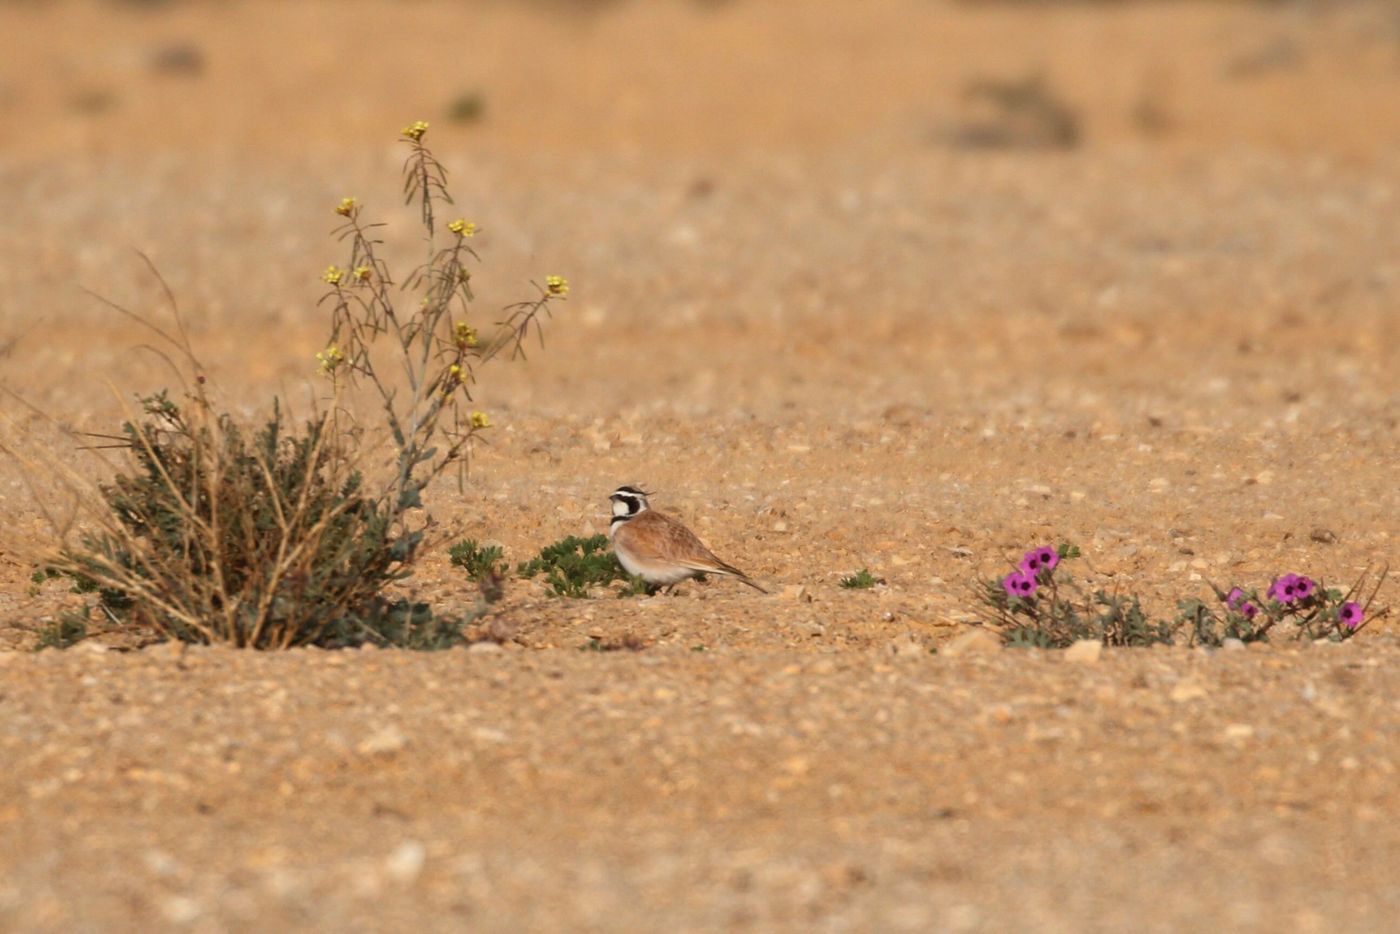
(1033, 571)
(1237, 601)
(1292, 588)
(1294, 591)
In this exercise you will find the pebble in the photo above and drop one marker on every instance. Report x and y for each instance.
(1085, 652)
(179, 909)
(1233, 645)
(1187, 690)
(405, 864)
(485, 648)
(385, 742)
(976, 642)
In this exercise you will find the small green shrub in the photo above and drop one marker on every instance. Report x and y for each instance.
(861, 580)
(66, 631)
(478, 561)
(573, 565)
(467, 107)
(261, 540)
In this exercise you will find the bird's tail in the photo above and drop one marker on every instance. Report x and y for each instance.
(739, 575)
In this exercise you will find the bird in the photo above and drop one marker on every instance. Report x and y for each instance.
(657, 548)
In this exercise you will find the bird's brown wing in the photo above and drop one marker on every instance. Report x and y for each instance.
(666, 539)
(674, 542)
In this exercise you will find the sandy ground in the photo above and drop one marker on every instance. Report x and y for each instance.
(833, 332)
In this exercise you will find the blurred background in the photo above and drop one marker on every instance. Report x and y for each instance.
(697, 76)
(879, 190)
(139, 98)
(1055, 219)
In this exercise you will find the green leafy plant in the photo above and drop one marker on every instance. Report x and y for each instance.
(272, 537)
(479, 561)
(861, 580)
(571, 566)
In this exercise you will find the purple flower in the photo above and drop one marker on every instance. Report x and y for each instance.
(1039, 559)
(1248, 610)
(1234, 598)
(1350, 614)
(1018, 584)
(1284, 589)
(1303, 588)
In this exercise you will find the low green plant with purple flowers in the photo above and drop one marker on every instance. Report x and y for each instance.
(1293, 604)
(1039, 605)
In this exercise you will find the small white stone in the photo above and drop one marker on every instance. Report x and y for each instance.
(1187, 690)
(976, 642)
(1084, 652)
(179, 909)
(385, 742)
(405, 864)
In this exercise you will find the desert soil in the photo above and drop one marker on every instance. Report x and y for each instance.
(839, 314)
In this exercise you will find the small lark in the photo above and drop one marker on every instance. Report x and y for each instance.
(656, 547)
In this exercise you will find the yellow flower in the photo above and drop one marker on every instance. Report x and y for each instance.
(557, 285)
(465, 335)
(329, 359)
(415, 130)
(332, 275)
(361, 273)
(462, 228)
(480, 420)
(346, 207)
(452, 379)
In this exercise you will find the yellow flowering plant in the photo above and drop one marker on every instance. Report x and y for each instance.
(427, 322)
